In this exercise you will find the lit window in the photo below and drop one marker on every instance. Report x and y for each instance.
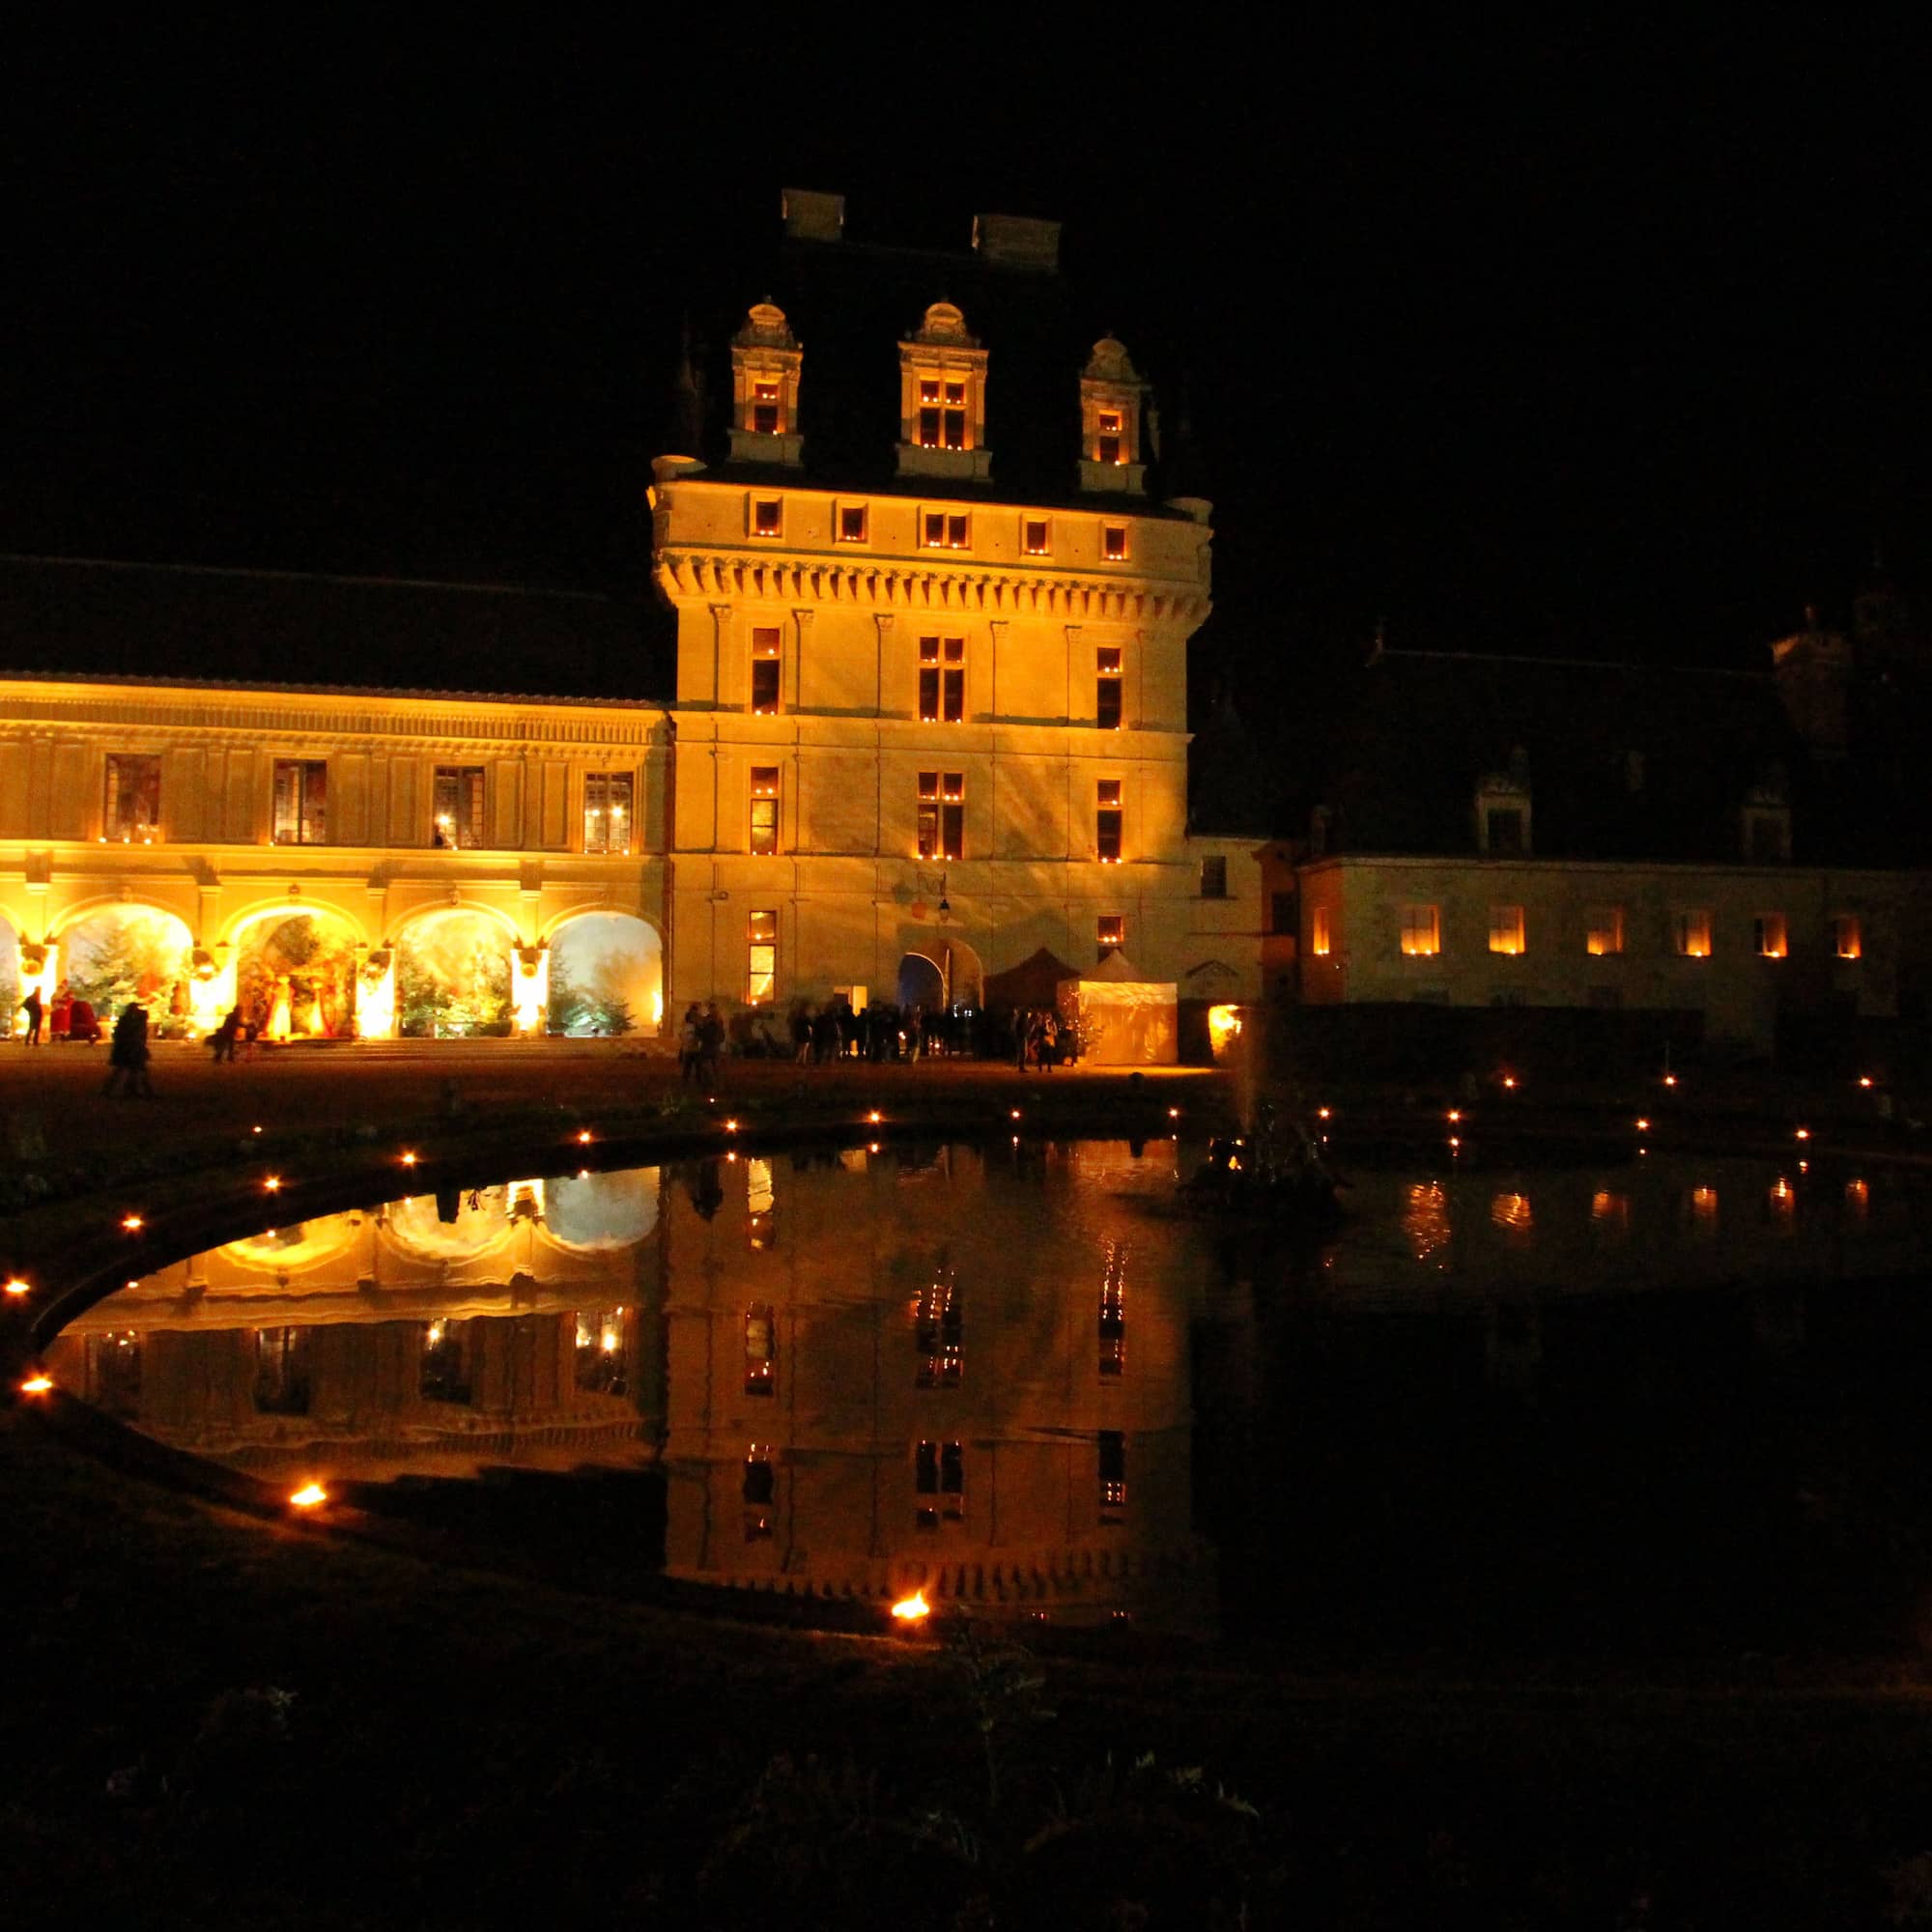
(1690, 935)
(852, 523)
(133, 814)
(760, 1349)
(764, 809)
(939, 1484)
(767, 655)
(946, 531)
(1506, 929)
(765, 417)
(1320, 934)
(1605, 934)
(1113, 1445)
(1038, 536)
(1114, 1311)
(1847, 941)
(942, 814)
(1107, 441)
(301, 801)
(458, 807)
(1107, 822)
(940, 1337)
(768, 517)
(762, 963)
(942, 413)
(1421, 931)
(1215, 877)
(1768, 935)
(1107, 688)
(608, 803)
(941, 680)
(1110, 933)
(1114, 542)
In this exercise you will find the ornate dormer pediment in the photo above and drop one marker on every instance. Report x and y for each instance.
(943, 399)
(766, 361)
(1112, 405)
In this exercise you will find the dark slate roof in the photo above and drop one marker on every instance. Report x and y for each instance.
(73, 618)
(850, 304)
(1424, 729)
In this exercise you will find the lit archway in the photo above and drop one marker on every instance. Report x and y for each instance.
(122, 956)
(606, 976)
(296, 974)
(453, 976)
(11, 990)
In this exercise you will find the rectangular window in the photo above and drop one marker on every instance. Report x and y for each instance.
(761, 1348)
(1107, 821)
(608, 804)
(765, 409)
(1113, 1476)
(767, 659)
(1107, 688)
(942, 413)
(761, 960)
(1215, 878)
(1502, 829)
(1847, 941)
(939, 1484)
(1603, 935)
(1768, 935)
(768, 517)
(941, 680)
(764, 809)
(601, 1366)
(133, 814)
(942, 814)
(1110, 935)
(851, 523)
(445, 1362)
(1506, 929)
(1114, 542)
(301, 801)
(759, 1489)
(281, 1371)
(940, 1338)
(1421, 931)
(1107, 443)
(1690, 935)
(1321, 933)
(458, 807)
(1037, 537)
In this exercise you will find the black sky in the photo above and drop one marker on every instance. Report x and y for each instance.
(1574, 340)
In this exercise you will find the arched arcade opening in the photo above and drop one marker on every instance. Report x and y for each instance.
(605, 976)
(453, 976)
(119, 955)
(296, 974)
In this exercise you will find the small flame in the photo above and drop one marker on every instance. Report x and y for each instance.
(909, 1609)
(18, 1287)
(36, 1385)
(409, 1160)
(273, 1183)
(1804, 1134)
(583, 1139)
(1508, 1079)
(1642, 1125)
(132, 1223)
(1174, 1113)
(1016, 1113)
(1864, 1080)
(1670, 1080)
(875, 1117)
(1455, 1114)
(730, 1126)
(308, 1498)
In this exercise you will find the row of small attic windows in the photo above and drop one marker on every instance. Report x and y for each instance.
(948, 530)
(943, 374)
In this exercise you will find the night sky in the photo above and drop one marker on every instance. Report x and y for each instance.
(1569, 342)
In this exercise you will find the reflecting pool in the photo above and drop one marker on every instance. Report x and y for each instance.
(1641, 1404)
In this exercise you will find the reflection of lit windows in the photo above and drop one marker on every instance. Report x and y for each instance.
(458, 807)
(1321, 932)
(942, 814)
(1768, 935)
(301, 801)
(1110, 933)
(1107, 821)
(1858, 1200)
(602, 1368)
(1114, 1311)
(608, 799)
(1107, 687)
(760, 1349)
(1421, 931)
(1605, 932)
(941, 680)
(1690, 935)
(1611, 1212)
(1780, 1202)
(1506, 929)
(133, 812)
(281, 1371)
(939, 1484)
(762, 957)
(445, 1363)
(940, 1338)
(1425, 1219)
(1701, 1209)
(1511, 1212)
(764, 809)
(760, 1204)
(114, 1371)
(760, 1490)
(767, 658)
(1847, 942)
(1113, 1476)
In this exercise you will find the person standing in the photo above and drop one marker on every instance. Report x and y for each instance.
(689, 1045)
(31, 1007)
(128, 1056)
(710, 1040)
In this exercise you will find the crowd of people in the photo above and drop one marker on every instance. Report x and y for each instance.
(878, 1033)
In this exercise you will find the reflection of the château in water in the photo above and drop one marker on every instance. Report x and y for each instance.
(859, 1373)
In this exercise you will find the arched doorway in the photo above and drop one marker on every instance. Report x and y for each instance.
(920, 985)
(295, 975)
(119, 955)
(938, 971)
(605, 976)
(453, 976)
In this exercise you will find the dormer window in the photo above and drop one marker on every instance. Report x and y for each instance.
(765, 364)
(1502, 810)
(1112, 401)
(943, 399)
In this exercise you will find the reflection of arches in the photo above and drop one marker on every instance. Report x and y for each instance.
(114, 955)
(596, 1212)
(301, 1244)
(453, 974)
(295, 965)
(482, 1222)
(954, 963)
(605, 975)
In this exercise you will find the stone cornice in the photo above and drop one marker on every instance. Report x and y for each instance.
(711, 574)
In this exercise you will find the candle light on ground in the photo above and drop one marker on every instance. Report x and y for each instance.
(309, 1496)
(909, 1609)
(37, 1384)
(132, 1223)
(16, 1286)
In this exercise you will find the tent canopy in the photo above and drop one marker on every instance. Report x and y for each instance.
(1036, 981)
(1127, 1019)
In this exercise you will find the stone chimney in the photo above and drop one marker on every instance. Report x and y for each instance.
(810, 215)
(1018, 241)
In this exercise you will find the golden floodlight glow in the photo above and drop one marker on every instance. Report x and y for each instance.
(16, 1286)
(36, 1385)
(309, 1496)
(909, 1609)
(132, 1223)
